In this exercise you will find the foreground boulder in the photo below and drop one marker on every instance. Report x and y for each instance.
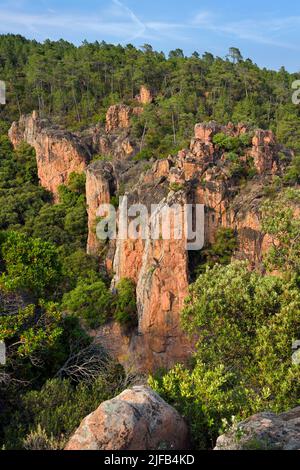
(264, 431)
(137, 419)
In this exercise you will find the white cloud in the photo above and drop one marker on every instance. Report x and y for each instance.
(266, 32)
(123, 24)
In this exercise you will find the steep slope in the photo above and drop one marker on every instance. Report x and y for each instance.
(229, 183)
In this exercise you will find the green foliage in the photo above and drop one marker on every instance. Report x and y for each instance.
(58, 408)
(279, 221)
(292, 175)
(65, 223)
(245, 324)
(20, 196)
(78, 266)
(203, 396)
(232, 144)
(93, 302)
(176, 187)
(220, 252)
(31, 330)
(48, 77)
(76, 182)
(125, 303)
(31, 265)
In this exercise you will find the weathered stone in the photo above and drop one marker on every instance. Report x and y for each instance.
(264, 431)
(137, 419)
(100, 186)
(118, 117)
(264, 151)
(58, 153)
(145, 96)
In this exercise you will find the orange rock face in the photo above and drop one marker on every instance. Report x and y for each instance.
(137, 419)
(58, 153)
(160, 268)
(145, 96)
(264, 148)
(100, 186)
(118, 117)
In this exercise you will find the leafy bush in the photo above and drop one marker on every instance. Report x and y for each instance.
(125, 303)
(31, 265)
(232, 144)
(50, 415)
(245, 324)
(38, 440)
(176, 187)
(203, 395)
(32, 330)
(292, 175)
(93, 302)
(220, 252)
(279, 221)
(78, 266)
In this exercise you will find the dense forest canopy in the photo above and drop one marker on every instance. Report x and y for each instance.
(75, 85)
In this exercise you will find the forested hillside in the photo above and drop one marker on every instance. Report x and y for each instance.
(75, 86)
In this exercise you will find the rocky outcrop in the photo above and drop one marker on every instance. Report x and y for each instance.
(145, 96)
(137, 419)
(264, 152)
(119, 117)
(58, 152)
(161, 268)
(264, 431)
(101, 185)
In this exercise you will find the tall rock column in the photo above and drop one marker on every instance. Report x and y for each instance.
(100, 186)
(58, 153)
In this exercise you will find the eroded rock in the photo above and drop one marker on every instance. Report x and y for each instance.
(58, 152)
(137, 419)
(264, 431)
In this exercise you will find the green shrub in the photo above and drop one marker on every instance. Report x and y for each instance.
(78, 266)
(245, 324)
(292, 175)
(92, 302)
(232, 157)
(220, 252)
(76, 182)
(279, 221)
(232, 144)
(176, 187)
(145, 154)
(50, 415)
(31, 265)
(125, 303)
(203, 395)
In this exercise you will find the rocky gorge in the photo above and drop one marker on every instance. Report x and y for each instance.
(160, 269)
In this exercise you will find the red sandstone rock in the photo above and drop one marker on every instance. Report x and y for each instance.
(137, 419)
(58, 153)
(100, 186)
(145, 96)
(160, 268)
(269, 431)
(263, 151)
(118, 117)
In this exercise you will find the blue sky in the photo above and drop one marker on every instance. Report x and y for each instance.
(267, 31)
